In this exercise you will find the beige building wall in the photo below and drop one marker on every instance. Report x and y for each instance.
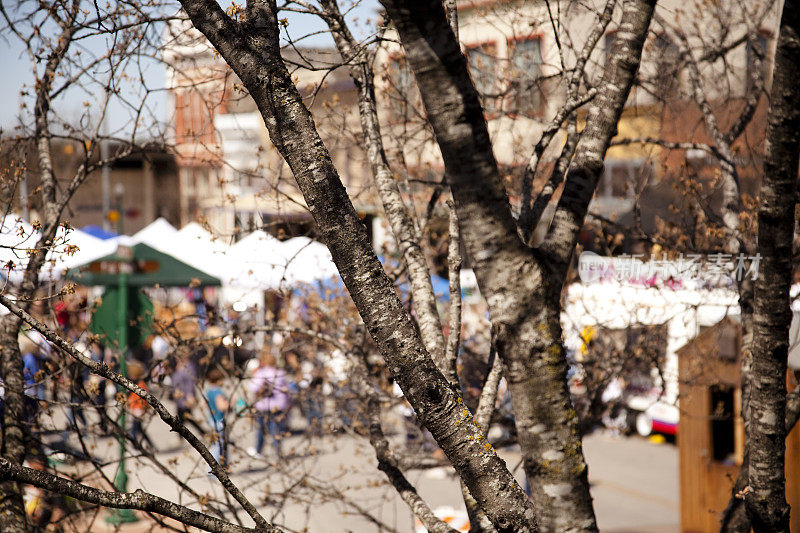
(231, 175)
(493, 27)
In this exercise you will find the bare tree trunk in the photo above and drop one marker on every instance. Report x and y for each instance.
(405, 234)
(522, 286)
(17, 418)
(15, 430)
(12, 511)
(508, 273)
(734, 517)
(766, 501)
(252, 51)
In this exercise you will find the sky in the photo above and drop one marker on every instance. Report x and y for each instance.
(16, 68)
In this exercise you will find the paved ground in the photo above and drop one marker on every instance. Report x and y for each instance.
(335, 486)
(634, 484)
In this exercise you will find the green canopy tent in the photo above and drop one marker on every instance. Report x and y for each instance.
(134, 267)
(144, 266)
(125, 315)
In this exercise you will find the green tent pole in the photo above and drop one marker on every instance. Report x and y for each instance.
(120, 516)
(122, 477)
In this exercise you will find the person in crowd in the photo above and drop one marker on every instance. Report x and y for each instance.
(77, 376)
(201, 307)
(160, 348)
(62, 314)
(270, 388)
(137, 406)
(144, 352)
(184, 379)
(218, 404)
(32, 374)
(308, 391)
(220, 352)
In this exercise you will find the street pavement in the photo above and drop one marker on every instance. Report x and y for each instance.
(634, 483)
(331, 484)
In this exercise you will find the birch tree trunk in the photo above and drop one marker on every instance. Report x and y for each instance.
(522, 285)
(252, 50)
(12, 510)
(405, 234)
(766, 502)
(15, 438)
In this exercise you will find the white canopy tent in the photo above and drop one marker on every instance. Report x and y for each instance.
(195, 234)
(16, 235)
(200, 249)
(72, 247)
(307, 261)
(259, 261)
(192, 244)
(156, 234)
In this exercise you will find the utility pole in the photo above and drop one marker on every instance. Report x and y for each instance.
(106, 184)
(122, 516)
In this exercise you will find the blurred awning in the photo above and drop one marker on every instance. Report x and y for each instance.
(144, 266)
(96, 231)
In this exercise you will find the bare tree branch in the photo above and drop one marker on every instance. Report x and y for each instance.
(408, 241)
(454, 275)
(138, 500)
(253, 52)
(103, 370)
(601, 124)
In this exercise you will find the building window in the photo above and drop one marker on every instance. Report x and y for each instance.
(728, 344)
(482, 62)
(400, 87)
(621, 178)
(193, 117)
(524, 76)
(667, 67)
(723, 428)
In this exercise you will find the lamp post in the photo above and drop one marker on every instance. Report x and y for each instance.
(119, 192)
(106, 184)
(122, 516)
